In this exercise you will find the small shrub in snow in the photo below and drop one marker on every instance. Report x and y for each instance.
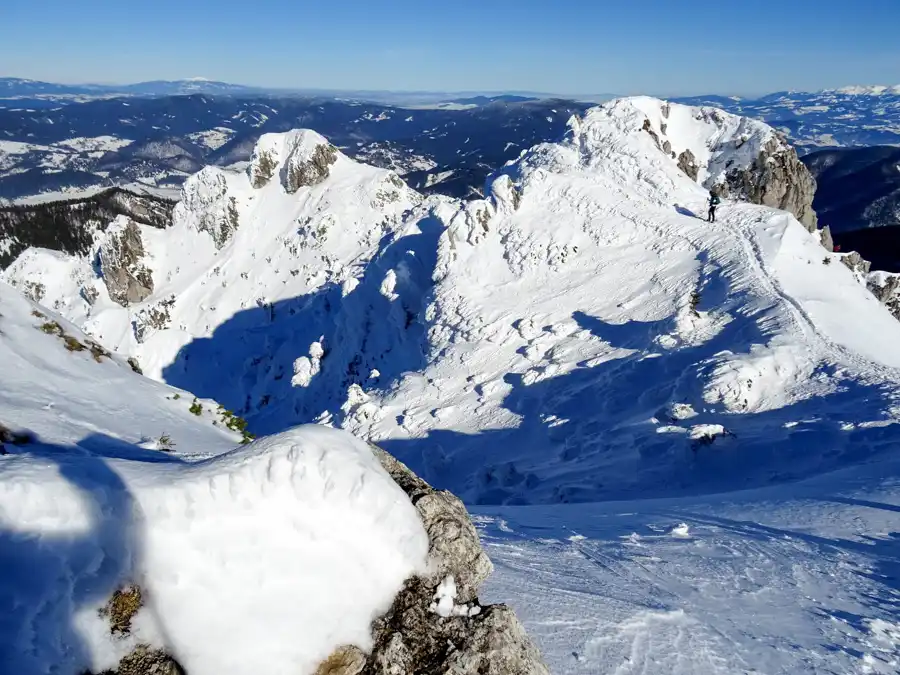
(72, 344)
(196, 408)
(8, 436)
(694, 302)
(236, 423)
(826, 261)
(121, 609)
(165, 443)
(51, 328)
(343, 660)
(97, 351)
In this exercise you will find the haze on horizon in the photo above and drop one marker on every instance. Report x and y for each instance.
(622, 47)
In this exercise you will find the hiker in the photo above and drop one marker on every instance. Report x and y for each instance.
(714, 201)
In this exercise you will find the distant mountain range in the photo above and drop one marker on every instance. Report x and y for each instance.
(158, 141)
(70, 141)
(14, 87)
(847, 117)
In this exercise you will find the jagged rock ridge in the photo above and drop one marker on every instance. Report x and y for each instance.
(71, 226)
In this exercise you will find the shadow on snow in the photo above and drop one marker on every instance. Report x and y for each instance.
(50, 577)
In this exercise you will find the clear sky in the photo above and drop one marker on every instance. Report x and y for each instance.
(664, 47)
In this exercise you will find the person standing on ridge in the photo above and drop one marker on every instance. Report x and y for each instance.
(714, 201)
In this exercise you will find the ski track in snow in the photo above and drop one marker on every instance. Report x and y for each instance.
(767, 583)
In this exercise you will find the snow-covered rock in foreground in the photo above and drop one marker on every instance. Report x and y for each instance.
(119, 554)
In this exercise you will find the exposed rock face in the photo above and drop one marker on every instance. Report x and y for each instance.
(435, 624)
(207, 206)
(262, 168)
(777, 178)
(305, 172)
(856, 264)
(827, 240)
(121, 262)
(418, 635)
(648, 127)
(455, 548)
(301, 158)
(147, 661)
(886, 287)
(687, 162)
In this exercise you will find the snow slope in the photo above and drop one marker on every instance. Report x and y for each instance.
(302, 533)
(796, 579)
(721, 400)
(569, 365)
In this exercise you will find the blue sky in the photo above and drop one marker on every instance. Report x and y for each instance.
(664, 47)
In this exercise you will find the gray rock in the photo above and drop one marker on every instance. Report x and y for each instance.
(777, 178)
(262, 170)
(886, 287)
(411, 638)
(306, 173)
(667, 147)
(121, 263)
(856, 264)
(827, 240)
(147, 661)
(454, 545)
(649, 129)
(687, 162)
(208, 207)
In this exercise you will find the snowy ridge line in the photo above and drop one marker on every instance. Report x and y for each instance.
(803, 320)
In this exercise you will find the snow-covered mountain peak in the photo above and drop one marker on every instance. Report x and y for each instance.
(300, 158)
(231, 247)
(866, 90)
(638, 126)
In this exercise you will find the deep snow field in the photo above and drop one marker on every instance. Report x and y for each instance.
(678, 439)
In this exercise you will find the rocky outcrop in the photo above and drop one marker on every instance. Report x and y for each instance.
(300, 158)
(776, 178)
(827, 239)
(886, 287)
(687, 162)
(207, 206)
(454, 546)
(435, 624)
(856, 264)
(302, 171)
(127, 279)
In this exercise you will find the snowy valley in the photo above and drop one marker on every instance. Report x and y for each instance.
(677, 438)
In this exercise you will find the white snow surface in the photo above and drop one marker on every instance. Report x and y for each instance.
(679, 437)
(274, 553)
